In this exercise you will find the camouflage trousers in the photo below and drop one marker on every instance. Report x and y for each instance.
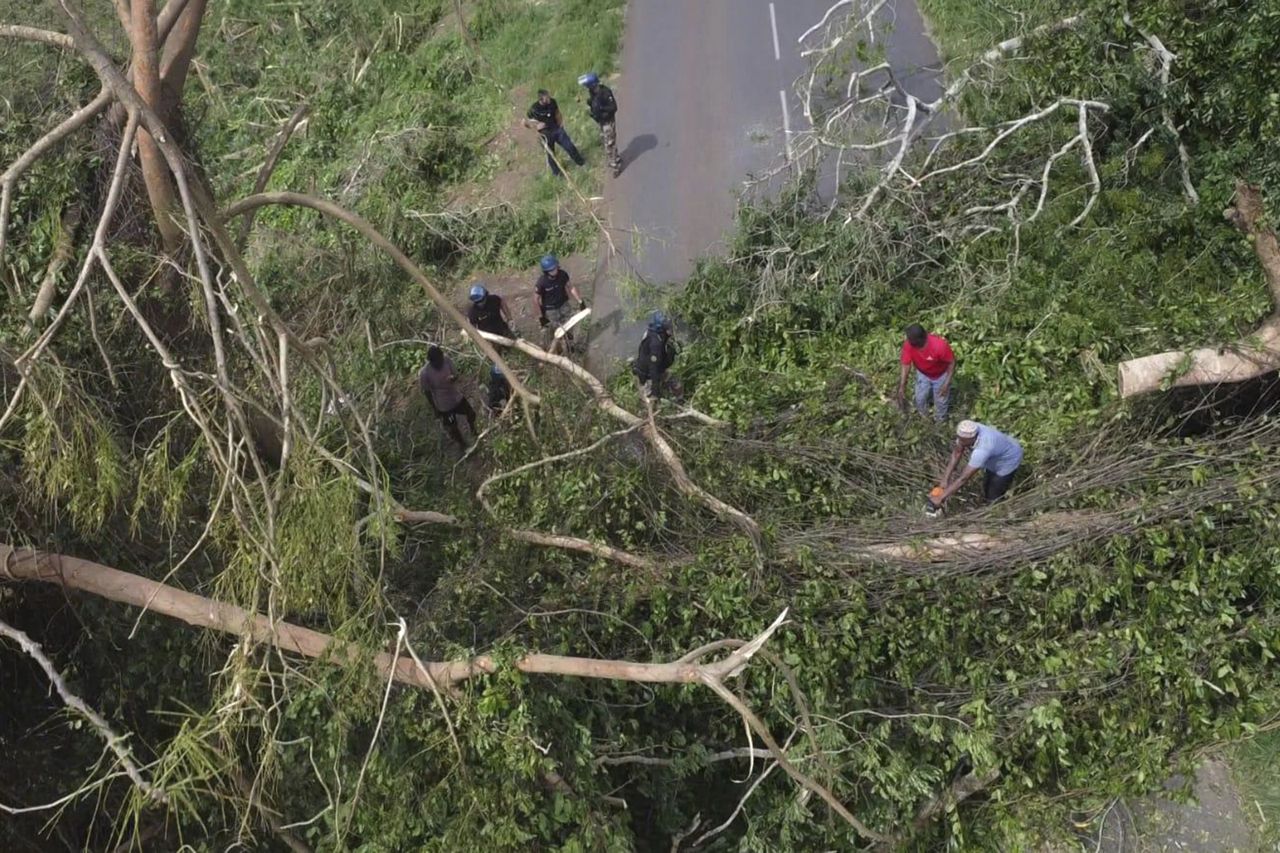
(609, 136)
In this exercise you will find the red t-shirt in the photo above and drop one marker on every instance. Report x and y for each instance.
(933, 359)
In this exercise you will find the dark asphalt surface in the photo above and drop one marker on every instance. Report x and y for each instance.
(700, 109)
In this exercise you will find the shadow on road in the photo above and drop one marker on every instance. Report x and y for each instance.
(637, 146)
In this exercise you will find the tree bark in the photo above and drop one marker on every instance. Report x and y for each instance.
(179, 50)
(1246, 359)
(25, 564)
(146, 79)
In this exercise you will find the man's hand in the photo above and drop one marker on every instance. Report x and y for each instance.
(542, 321)
(902, 401)
(582, 305)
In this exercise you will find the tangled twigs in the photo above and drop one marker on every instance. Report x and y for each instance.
(115, 742)
(847, 125)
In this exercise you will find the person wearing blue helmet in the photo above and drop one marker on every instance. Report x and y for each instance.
(544, 116)
(489, 312)
(603, 107)
(551, 293)
(499, 391)
(657, 354)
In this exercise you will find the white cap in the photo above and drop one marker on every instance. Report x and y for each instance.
(967, 429)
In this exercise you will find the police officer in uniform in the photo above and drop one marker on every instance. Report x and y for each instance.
(604, 109)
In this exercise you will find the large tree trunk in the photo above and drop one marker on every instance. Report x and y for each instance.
(146, 79)
(26, 564)
(1246, 359)
(179, 49)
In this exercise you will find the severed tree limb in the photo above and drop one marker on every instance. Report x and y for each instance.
(26, 564)
(114, 741)
(1245, 359)
(801, 778)
(48, 37)
(533, 537)
(647, 428)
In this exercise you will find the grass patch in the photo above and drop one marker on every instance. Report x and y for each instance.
(1254, 764)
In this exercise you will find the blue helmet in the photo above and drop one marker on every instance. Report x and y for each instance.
(478, 293)
(549, 262)
(657, 321)
(495, 371)
(589, 79)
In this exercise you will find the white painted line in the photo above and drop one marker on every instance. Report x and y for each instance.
(773, 24)
(786, 120)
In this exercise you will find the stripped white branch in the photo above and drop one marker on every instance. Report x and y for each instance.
(1166, 58)
(115, 742)
(896, 164)
(1086, 157)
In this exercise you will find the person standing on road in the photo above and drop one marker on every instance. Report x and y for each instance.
(489, 313)
(604, 110)
(439, 383)
(552, 292)
(935, 364)
(656, 355)
(989, 450)
(544, 116)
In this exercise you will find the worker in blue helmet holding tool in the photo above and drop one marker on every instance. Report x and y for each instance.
(656, 355)
(552, 293)
(489, 312)
(604, 110)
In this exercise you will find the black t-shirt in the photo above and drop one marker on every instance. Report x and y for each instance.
(554, 289)
(546, 113)
(656, 354)
(486, 315)
(602, 104)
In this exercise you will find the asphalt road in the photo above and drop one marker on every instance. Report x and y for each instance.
(705, 100)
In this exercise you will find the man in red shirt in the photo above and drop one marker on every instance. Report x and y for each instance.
(935, 363)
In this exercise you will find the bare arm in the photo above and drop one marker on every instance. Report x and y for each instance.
(505, 312)
(950, 490)
(902, 381)
(946, 385)
(573, 291)
(951, 464)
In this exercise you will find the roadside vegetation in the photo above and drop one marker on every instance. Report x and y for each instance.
(1113, 617)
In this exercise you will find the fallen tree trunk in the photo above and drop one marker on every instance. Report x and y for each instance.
(26, 564)
(1236, 362)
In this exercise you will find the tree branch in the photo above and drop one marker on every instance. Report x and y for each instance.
(1245, 359)
(114, 741)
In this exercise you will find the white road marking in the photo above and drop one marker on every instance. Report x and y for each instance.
(773, 24)
(786, 120)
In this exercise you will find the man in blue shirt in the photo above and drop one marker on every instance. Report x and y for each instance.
(989, 450)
